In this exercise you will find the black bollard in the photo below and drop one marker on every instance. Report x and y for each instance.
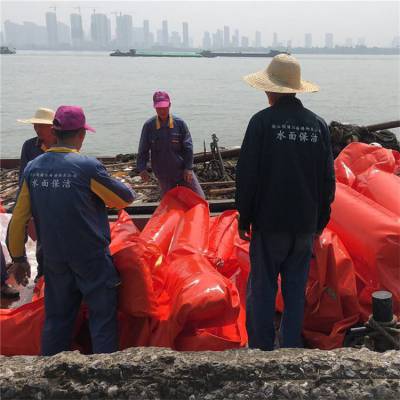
(382, 306)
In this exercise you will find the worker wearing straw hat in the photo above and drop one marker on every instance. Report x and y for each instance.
(284, 187)
(42, 123)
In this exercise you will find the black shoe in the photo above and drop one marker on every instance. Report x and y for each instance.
(9, 292)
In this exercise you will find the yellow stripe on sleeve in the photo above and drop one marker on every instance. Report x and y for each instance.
(17, 227)
(108, 196)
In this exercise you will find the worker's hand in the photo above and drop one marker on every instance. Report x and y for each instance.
(145, 176)
(188, 175)
(20, 271)
(244, 235)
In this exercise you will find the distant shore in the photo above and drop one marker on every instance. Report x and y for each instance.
(338, 50)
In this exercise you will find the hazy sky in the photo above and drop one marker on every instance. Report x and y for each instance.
(377, 21)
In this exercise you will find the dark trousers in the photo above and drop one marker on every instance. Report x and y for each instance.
(39, 258)
(272, 254)
(168, 184)
(95, 281)
(3, 271)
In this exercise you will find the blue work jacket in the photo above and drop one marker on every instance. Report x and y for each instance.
(67, 194)
(31, 149)
(170, 146)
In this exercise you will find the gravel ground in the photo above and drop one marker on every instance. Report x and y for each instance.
(154, 373)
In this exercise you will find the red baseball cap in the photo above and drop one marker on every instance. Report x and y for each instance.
(70, 118)
(161, 100)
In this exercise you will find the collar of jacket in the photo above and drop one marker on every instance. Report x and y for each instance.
(41, 145)
(286, 100)
(170, 122)
(61, 150)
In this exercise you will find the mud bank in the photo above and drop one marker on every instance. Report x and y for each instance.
(153, 373)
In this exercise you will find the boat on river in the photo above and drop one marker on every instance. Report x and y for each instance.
(271, 53)
(173, 54)
(6, 50)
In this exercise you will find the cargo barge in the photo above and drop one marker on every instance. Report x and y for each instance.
(192, 54)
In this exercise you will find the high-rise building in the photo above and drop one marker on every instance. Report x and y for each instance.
(396, 42)
(185, 34)
(28, 35)
(207, 41)
(124, 31)
(257, 41)
(100, 30)
(34, 36)
(218, 39)
(159, 37)
(308, 41)
(13, 34)
(151, 39)
(289, 45)
(275, 42)
(165, 34)
(76, 30)
(227, 36)
(137, 36)
(244, 41)
(146, 33)
(348, 42)
(64, 34)
(52, 29)
(235, 38)
(329, 40)
(361, 42)
(175, 39)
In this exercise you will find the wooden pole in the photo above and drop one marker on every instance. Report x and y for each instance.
(203, 185)
(222, 191)
(383, 125)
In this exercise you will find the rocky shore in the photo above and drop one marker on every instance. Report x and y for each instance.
(154, 373)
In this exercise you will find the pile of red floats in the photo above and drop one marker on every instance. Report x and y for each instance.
(184, 276)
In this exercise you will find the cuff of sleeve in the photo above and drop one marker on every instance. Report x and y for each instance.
(323, 222)
(19, 259)
(244, 224)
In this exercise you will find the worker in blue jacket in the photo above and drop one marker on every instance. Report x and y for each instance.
(285, 183)
(67, 194)
(168, 140)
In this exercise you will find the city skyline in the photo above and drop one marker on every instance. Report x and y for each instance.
(156, 12)
(57, 35)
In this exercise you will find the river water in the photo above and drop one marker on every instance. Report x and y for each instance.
(209, 94)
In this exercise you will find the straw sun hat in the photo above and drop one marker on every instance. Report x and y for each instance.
(42, 116)
(282, 75)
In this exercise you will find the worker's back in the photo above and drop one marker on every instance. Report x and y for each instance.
(71, 219)
(294, 170)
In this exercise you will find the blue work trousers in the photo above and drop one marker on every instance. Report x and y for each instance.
(95, 281)
(272, 254)
(168, 184)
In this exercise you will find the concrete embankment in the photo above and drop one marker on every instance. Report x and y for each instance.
(153, 373)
